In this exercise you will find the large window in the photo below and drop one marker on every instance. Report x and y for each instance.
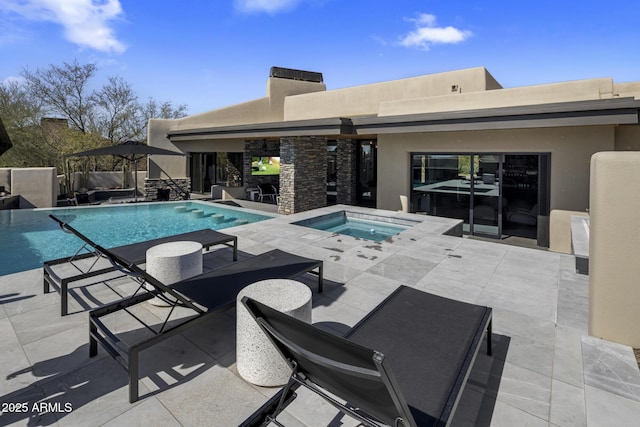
(462, 186)
(494, 194)
(221, 168)
(367, 182)
(332, 172)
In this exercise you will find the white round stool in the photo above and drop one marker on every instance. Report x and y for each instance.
(257, 360)
(172, 262)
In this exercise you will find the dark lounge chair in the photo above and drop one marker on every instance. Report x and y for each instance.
(206, 296)
(134, 253)
(405, 364)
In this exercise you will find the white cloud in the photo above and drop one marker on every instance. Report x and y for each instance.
(269, 6)
(19, 80)
(427, 33)
(85, 22)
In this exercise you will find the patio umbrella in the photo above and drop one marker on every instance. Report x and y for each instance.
(129, 150)
(5, 142)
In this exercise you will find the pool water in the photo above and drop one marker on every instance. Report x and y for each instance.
(355, 227)
(28, 237)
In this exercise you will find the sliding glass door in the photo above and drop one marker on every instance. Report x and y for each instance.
(494, 194)
(202, 171)
(487, 202)
(207, 169)
(366, 178)
(461, 186)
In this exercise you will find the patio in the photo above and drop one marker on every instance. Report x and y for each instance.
(545, 371)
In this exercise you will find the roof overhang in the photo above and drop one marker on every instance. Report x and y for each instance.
(315, 127)
(618, 111)
(579, 113)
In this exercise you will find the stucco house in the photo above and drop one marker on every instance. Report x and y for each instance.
(456, 144)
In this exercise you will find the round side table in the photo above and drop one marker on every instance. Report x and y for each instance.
(257, 360)
(172, 262)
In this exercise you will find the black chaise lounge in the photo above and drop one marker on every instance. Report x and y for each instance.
(134, 253)
(405, 364)
(206, 296)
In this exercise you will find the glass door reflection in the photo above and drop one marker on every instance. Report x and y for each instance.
(488, 202)
(465, 187)
(442, 185)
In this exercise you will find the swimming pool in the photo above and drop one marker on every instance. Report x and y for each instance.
(369, 227)
(28, 237)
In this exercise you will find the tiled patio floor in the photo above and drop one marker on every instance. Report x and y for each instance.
(545, 371)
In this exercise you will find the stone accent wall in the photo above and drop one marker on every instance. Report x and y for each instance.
(234, 174)
(303, 173)
(346, 170)
(255, 148)
(151, 186)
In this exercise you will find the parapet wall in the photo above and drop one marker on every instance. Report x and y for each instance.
(37, 187)
(614, 240)
(560, 230)
(5, 179)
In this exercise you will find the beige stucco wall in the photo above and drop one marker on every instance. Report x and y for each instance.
(37, 187)
(177, 167)
(614, 237)
(5, 179)
(174, 166)
(107, 180)
(262, 110)
(627, 138)
(571, 150)
(560, 230)
(365, 100)
(581, 90)
(627, 89)
(255, 111)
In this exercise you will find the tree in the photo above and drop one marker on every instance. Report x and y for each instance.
(37, 140)
(116, 106)
(64, 91)
(21, 114)
(18, 108)
(54, 113)
(162, 110)
(157, 110)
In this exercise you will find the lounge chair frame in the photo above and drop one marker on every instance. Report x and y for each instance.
(134, 253)
(266, 192)
(317, 358)
(193, 294)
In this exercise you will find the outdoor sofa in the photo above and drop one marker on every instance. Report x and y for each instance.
(134, 253)
(204, 296)
(405, 364)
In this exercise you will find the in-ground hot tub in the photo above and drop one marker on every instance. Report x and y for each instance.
(363, 226)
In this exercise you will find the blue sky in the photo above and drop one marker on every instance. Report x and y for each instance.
(212, 53)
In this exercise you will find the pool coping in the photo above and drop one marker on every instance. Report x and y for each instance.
(421, 224)
(201, 202)
(546, 376)
(197, 204)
